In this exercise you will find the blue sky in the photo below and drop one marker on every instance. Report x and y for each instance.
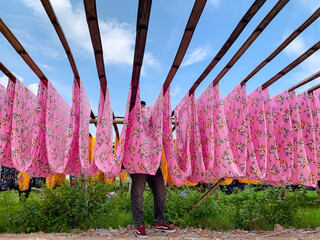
(117, 20)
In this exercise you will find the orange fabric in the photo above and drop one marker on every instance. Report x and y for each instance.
(247, 181)
(23, 181)
(57, 179)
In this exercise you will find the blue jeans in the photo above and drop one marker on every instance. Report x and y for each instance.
(157, 186)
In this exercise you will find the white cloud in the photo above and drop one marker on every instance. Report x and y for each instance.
(117, 38)
(311, 5)
(34, 88)
(47, 67)
(214, 3)
(295, 48)
(175, 91)
(198, 55)
(4, 80)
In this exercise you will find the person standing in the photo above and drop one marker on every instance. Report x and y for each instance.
(156, 183)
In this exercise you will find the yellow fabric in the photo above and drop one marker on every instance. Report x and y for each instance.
(225, 182)
(248, 181)
(23, 181)
(166, 173)
(57, 179)
(123, 175)
(112, 180)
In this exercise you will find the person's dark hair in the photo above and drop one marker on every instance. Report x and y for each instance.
(143, 103)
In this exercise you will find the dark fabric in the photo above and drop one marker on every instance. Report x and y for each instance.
(9, 178)
(157, 186)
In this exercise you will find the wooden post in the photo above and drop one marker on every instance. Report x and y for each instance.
(318, 190)
(211, 190)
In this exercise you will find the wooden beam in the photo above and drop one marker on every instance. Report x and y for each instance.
(141, 37)
(292, 65)
(22, 52)
(92, 20)
(7, 72)
(284, 44)
(310, 90)
(254, 35)
(93, 24)
(232, 38)
(55, 22)
(305, 81)
(185, 41)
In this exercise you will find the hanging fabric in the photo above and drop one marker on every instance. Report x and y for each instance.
(273, 173)
(23, 181)
(236, 111)
(315, 107)
(301, 172)
(58, 131)
(103, 156)
(28, 145)
(8, 179)
(215, 142)
(6, 126)
(179, 161)
(57, 180)
(258, 127)
(308, 132)
(142, 136)
(89, 168)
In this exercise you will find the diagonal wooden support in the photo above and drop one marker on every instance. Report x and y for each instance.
(305, 81)
(210, 191)
(7, 72)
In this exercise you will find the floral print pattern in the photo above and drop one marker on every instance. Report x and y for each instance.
(236, 109)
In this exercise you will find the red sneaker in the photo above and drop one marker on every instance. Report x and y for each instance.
(141, 232)
(164, 227)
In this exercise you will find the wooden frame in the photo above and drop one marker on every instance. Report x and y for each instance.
(305, 81)
(283, 45)
(230, 41)
(292, 65)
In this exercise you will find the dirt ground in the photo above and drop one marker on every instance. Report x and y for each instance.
(185, 233)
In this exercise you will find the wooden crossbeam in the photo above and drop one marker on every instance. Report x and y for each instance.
(254, 35)
(93, 24)
(305, 81)
(141, 37)
(55, 22)
(232, 38)
(22, 52)
(292, 65)
(7, 72)
(185, 41)
(284, 44)
(310, 90)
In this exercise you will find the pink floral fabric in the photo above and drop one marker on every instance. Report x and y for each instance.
(308, 133)
(283, 133)
(6, 126)
(258, 126)
(84, 118)
(58, 130)
(73, 166)
(22, 126)
(143, 137)
(38, 165)
(28, 145)
(301, 173)
(179, 162)
(315, 106)
(217, 153)
(187, 119)
(273, 174)
(240, 134)
(103, 155)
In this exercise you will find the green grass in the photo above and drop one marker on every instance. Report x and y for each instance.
(66, 208)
